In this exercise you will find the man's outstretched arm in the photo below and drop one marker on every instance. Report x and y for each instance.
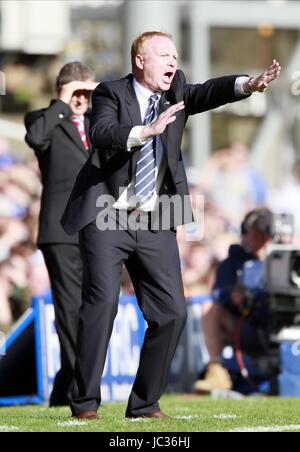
(222, 90)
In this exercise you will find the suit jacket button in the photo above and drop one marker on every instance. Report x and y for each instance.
(61, 116)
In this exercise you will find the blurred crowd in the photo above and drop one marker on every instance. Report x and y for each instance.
(23, 274)
(227, 188)
(230, 189)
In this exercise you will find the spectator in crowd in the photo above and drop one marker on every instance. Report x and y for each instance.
(199, 274)
(59, 137)
(229, 180)
(6, 158)
(221, 319)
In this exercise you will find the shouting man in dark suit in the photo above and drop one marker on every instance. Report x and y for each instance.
(59, 138)
(137, 125)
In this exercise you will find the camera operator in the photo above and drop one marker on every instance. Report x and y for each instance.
(229, 318)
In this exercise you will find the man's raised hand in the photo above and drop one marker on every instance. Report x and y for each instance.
(164, 119)
(262, 82)
(70, 88)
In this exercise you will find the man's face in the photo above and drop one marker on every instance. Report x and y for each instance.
(256, 241)
(157, 64)
(80, 102)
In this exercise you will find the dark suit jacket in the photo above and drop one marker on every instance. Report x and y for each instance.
(61, 155)
(115, 111)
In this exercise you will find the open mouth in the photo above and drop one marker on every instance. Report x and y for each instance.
(169, 76)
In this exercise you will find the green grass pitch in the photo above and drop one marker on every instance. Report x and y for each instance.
(189, 414)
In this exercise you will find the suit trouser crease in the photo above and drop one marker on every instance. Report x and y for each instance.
(162, 303)
(64, 266)
(151, 383)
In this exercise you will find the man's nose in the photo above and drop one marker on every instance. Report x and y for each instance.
(81, 97)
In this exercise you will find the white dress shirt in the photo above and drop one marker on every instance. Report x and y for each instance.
(128, 200)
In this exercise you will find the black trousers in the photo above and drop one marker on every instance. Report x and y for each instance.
(65, 269)
(152, 259)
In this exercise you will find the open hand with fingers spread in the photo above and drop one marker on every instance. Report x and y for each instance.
(159, 125)
(262, 82)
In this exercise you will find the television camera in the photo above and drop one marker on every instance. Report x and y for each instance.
(275, 283)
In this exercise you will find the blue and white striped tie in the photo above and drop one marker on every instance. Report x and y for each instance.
(146, 166)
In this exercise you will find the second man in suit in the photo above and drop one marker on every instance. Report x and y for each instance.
(59, 137)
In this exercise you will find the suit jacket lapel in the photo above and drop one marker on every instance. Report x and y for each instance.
(134, 112)
(70, 129)
(133, 105)
(163, 106)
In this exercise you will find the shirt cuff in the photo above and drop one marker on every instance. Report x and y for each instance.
(238, 87)
(134, 138)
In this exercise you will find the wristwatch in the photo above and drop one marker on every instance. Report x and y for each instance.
(250, 81)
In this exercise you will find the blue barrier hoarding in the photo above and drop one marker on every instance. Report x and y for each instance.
(122, 358)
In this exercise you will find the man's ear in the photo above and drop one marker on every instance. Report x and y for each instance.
(139, 61)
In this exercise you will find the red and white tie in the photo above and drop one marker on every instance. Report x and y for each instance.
(79, 123)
